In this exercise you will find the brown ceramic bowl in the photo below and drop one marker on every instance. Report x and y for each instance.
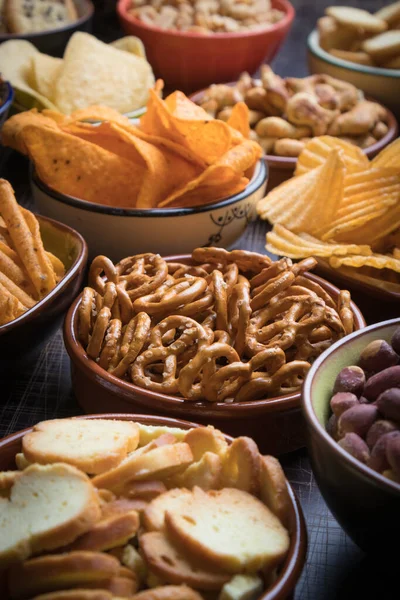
(282, 168)
(23, 337)
(291, 568)
(275, 423)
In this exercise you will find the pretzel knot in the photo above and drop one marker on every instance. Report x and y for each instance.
(260, 386)
(101, 266)
(239, 312)
(145, 371)
(185, 333)
(133, 340)
(143, 273)
(204, 363)
(88, 308)
(171, 296)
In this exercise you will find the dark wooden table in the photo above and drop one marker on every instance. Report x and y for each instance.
(335, 568)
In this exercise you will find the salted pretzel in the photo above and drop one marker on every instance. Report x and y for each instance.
(230, 328)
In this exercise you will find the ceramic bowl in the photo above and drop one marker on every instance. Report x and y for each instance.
(293, 564)
(54, 41)
(382, 84)
(189, 61)
(8, 100)
(119, 232)
(365, 503)
(281, 168)
(23, 337)
(276, 424)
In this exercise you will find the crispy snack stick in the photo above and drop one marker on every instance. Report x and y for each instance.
(10, 306)
(14, 270)
(26, 300)
(48, 262)
(29, 248)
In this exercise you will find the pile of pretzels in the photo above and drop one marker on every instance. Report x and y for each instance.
(225, 327)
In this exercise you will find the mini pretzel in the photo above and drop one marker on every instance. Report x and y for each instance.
(86, 312)
(192, 333)
(259, 386)
(134, 338)
(230, 274)
(110, 294)
(225, 382)
(100, 265)
(345, 312)
(246, 261)
(275, 285)
(205, 361)
(133, 270)
(239, 314)
(112, 337)
(124, 303)
(140, 372)
(192, 309)
(180, 292)
(99, 330)
(268, 273)
(220, 299)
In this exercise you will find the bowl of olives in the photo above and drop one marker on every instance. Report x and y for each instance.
(351, 404)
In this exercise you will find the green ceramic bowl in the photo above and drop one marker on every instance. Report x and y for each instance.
(365, 503)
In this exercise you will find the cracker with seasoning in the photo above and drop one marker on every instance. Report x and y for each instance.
(29, 16)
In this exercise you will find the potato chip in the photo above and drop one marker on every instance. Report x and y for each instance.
(296, 202)
(95, 73)
(239, 119)
(389, 156)
(317, 150)
(377, 261)
(130, 43)
(81, 169)
(375, 229)
(15, 66)
(45, 71)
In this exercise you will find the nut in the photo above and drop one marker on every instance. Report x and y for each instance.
(378, 429)
(378, 383)
(378, 355)
(388, 404)
(395, 341)
(378, 459)
(332, 427)
(393, 454)
(355, 446)
(341, 401)
(357, 419)
(350, 379)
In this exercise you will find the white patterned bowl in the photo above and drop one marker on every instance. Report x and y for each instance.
(119, 232)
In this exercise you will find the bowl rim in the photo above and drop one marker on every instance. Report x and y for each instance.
(149, 398)
(313, 422)
(88, 14)
(260, 176)
(296, 557)
(80, 259)
(9, 98)
(314, 47)
(285, 5)
(288, 162)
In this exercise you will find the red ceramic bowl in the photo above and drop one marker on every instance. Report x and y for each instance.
(276, 424)
(189, 61)
(290, 570)
(281, 168)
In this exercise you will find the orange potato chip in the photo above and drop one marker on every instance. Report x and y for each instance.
(81, 169)
(389, 156)
(239, 119)
(317, 150)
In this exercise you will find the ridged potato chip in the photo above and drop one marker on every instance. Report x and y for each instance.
(317, 150)
(389, 156)
(378, 261)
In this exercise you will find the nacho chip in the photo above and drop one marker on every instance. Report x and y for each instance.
(78, 168)
(45, 70)
(96, 73)
(239, 119)
(317, 150)
(180, 106)
(99, 113)
(11, 133)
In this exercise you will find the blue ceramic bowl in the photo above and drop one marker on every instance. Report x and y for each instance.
(5, 107)
(364, 502)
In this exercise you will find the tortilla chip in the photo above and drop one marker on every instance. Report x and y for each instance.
(11, 133)
(78, 168)
(239, 119)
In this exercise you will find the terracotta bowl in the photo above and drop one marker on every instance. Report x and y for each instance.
(188, 61)
(294, 562)
(54, 41)
(382, 84)
(282, 168)
(127, 231)
(276, 424)
(365, 503)
(23, 337)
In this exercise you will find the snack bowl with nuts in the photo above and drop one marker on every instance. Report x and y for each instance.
(285, 113)
(350, 403)
(193, 58)
(176, 454)
(381, 83)
(248, 388)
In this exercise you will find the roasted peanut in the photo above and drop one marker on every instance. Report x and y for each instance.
(350, 379)
(388, 404)
(378, 429)
(393, 454)
(357, 419)
(378, 459)
(395, 341)
(380, 130)
(378, 355)
(355, 446)
(341, 401)
(288, 147)
(384, 380)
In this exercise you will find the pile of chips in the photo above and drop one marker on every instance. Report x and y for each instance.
(177, 156)
(342, 208)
